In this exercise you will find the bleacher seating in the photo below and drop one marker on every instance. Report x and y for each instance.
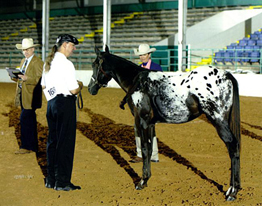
(128, 30)
(246, 51)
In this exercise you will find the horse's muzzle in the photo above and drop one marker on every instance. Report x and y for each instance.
(93, 87)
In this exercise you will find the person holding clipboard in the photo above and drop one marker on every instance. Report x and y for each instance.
(60, 88)
(28, 94)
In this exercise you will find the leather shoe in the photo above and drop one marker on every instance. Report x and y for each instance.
(49, 184)
(136, 160)
(67, 188)
(23, 151)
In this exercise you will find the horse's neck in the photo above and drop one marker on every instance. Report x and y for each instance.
(124, 74)
(125, 79)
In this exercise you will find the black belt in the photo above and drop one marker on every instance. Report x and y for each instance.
(79, 99)
(67, 96)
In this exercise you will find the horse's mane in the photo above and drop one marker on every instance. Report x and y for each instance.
(127, 62)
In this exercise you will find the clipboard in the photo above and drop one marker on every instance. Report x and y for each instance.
(13, 73)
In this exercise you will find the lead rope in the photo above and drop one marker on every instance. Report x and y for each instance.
(80, 104)
(80, 101)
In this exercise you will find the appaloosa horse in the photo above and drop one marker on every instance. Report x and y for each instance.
(175, 98)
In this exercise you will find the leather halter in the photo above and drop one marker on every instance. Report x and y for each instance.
(100, 68)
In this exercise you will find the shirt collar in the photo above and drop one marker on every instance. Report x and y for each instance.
(30, 58)
(60, 55)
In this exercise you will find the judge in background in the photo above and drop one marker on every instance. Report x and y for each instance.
(28, 95)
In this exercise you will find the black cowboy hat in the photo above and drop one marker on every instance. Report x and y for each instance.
(66, 38)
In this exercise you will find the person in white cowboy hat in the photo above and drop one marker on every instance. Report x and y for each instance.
(28, 95)
(144, 53)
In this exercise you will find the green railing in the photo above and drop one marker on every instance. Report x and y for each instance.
(167, 58)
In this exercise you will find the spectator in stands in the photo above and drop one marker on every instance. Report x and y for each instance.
(28, 95)
(61, 87)
(144, 53)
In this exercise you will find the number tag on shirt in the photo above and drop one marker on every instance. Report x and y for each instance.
(50, 93)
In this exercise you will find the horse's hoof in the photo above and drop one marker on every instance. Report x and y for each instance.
(230, 198)
(231, 194)
(141, 185)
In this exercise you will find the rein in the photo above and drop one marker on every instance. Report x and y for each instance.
(80, 104)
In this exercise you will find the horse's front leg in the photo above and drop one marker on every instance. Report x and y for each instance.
(146, 148)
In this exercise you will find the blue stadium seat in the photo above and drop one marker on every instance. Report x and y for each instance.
(239, 48)
(248, 48)
(257, 32)
(233, 44)
(254, 36)
(228, 57)
(247, 53)
(242, 42)
(219, 56)
(246, 56)
(251, 42)
(259, 43)
(255, 56)
(238, 56)
(230, 47)
(256, 47)
(245, 38)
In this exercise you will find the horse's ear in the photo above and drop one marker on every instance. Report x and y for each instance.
(97, 51)
(106, 49)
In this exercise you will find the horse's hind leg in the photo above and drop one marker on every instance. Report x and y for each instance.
(233, 146)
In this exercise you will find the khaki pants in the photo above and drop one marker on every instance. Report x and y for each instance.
(154, 152)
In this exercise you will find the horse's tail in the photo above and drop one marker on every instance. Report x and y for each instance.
(234, 118)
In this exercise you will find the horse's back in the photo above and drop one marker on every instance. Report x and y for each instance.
(176, 95)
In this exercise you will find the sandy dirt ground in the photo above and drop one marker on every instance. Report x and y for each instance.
(194, 167)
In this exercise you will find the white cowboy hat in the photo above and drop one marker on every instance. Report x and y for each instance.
(143, 49)
(26, 43)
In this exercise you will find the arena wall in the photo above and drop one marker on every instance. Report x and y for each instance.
(249, 84)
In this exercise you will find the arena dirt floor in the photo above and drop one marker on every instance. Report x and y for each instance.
(194, 167)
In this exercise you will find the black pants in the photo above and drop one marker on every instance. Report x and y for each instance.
(61, 118)
(28, 129)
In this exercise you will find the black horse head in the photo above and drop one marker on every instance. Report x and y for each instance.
(100, 77)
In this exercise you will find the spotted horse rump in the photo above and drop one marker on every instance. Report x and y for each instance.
(177, 95)
(174, 97)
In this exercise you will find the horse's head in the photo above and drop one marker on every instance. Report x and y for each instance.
(100, 76)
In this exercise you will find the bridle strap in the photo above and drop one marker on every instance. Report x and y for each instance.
(100, 69)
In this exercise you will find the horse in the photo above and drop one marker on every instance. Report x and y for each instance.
(174, 97)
